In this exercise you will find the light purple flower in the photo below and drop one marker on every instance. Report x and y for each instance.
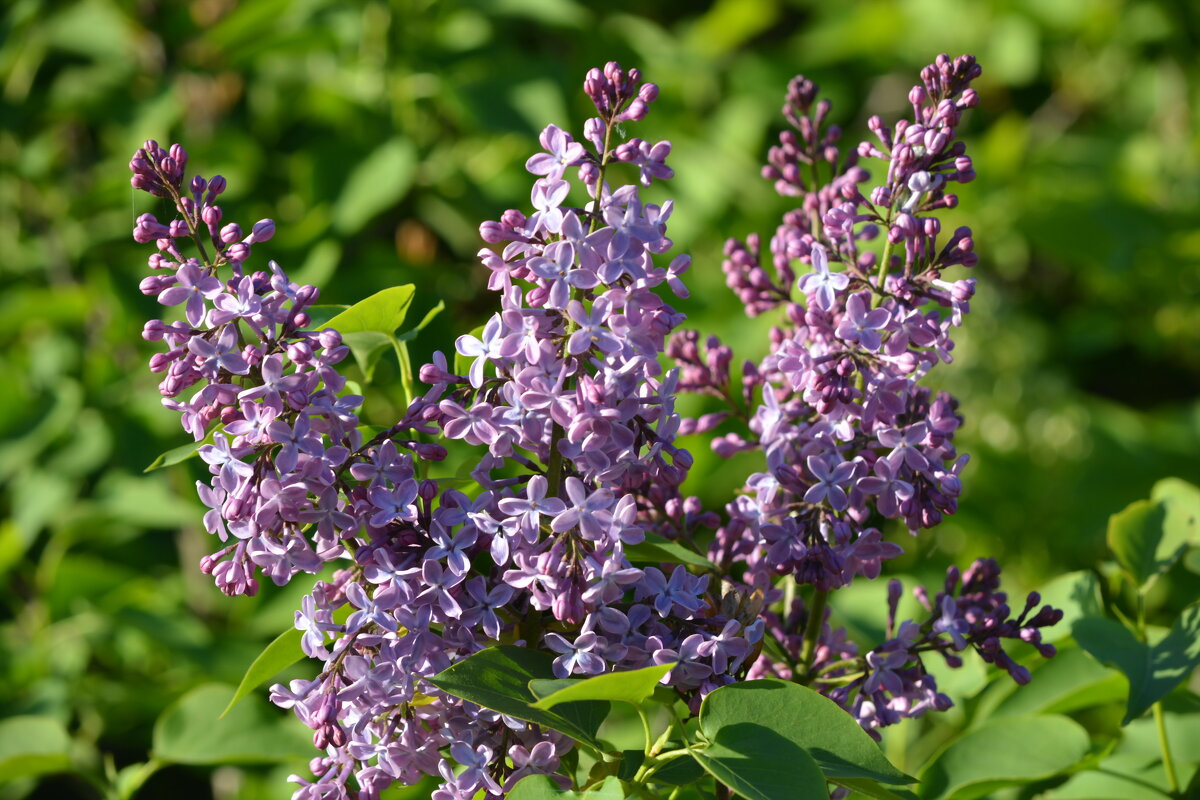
(224, 354)
(890, 489)
(391, 505)
(192, 287)
(561, 153)
(905, 446)
(576, 657)
(821, 285)
(830, 480)
(863, 326)
(588, 512)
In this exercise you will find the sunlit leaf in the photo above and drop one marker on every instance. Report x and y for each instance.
(842, 749)
(1134, 535)
(383, 311)
(542, 787)
(760, 764)
(280, 654)
(633, 686)
(177, 455)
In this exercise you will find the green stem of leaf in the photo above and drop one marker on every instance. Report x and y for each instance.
(1160, 723)
(645, 729)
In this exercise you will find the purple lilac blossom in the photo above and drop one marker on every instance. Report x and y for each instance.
(573, 422)
(564, 385)
(850, 433)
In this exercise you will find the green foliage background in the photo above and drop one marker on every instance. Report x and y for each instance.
(379, 135)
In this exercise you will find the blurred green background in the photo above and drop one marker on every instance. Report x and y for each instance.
(379, 135)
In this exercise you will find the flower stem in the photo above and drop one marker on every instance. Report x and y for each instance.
(1160, 722)
(812, 631)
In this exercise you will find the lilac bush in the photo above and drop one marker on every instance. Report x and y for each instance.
(563, 540)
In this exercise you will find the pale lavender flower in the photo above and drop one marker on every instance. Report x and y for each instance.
(821, 285)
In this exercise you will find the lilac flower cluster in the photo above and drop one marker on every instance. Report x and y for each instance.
(575, 422)
(574, 426)
(849, 434)
(890, 682)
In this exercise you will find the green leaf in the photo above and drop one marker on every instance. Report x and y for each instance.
(276, 657)
(498, 678)
(1068, 682)
(1181, 529)
(380, 180)
(873, 789)
(542, 787)
(1124, 776)
(680, 772)
(132, 777)
(1134, 535)
(1077, 595)
(428, 318)
(656, 550)
(759, 764)
(190, 732)
(633, 687)
(177, 455)
(841, 748)
(1009, 751)
(1153, 670)
(383, 311)
(32, 745)
(368, 347)
(319, 316)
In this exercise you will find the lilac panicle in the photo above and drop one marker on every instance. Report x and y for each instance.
(851, 434)
(572, 418)
(564, 396)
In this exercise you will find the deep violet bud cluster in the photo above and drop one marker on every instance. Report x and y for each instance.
(850, 435)
(572, 416)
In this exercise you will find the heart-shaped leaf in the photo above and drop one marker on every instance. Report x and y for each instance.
(840, 747)
(760, 764)
(498, 678)
(383, 311)
(1134, 534)
(1181, 528)
(1153, 669)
